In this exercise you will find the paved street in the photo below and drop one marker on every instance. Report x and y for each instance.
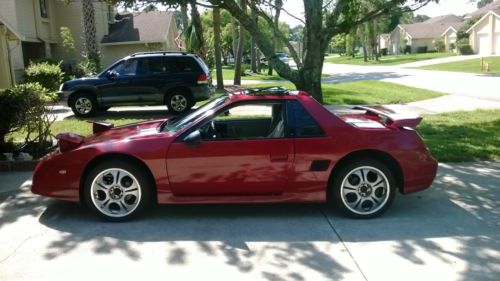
(449, 232)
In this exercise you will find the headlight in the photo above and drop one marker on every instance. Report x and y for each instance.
(61, 87)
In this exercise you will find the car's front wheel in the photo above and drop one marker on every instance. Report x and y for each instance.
(117, 191)
(83, 104)
(179, 102)
(363, 188)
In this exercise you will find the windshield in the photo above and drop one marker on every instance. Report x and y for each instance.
(175, 125)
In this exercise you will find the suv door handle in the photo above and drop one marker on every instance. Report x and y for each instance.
(278, 157)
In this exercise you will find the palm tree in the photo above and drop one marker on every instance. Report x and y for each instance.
(239, 53)
(89, 28)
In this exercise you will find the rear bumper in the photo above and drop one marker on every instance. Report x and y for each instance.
(420, 173)
(202, 92)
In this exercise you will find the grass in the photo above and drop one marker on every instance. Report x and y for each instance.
(471, 66)
(367, 92)
(463, 136)
(388, 60)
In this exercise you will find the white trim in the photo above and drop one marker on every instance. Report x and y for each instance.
(3, 22)
(406, 32)
(131, 43)
(482, 18)
(446, 31)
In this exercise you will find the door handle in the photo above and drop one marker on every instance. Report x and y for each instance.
(278, 157)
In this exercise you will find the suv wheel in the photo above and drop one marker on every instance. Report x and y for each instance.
(179, 102)
(83, 104)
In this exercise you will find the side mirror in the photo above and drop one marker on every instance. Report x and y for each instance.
(110, 74)
(193, 139)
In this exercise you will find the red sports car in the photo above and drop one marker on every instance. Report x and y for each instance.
(256, 146)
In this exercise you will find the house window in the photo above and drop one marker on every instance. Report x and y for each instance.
(43, 9)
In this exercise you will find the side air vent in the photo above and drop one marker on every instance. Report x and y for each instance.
(319, 165)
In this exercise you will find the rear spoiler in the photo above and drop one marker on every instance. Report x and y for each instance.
(392, 119)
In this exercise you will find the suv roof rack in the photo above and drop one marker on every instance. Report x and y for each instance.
(267, 91)
(158, 52)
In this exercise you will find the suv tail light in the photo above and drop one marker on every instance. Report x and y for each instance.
(203, 79)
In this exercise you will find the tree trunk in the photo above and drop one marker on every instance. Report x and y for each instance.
(253, 52)
(217, 49)
(184, 17)
(196, 22)
(239, 54)
(278, 5)
(89, 29)
(234, 35)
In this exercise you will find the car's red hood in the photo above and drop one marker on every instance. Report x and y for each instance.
(68, 141)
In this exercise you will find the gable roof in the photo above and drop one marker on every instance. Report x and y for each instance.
(493, 6)
(145, 27)
(452, 28)
(445, 18)
(433, 27)
(482, 18)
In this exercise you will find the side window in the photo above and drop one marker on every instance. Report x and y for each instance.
(151, 66)
(126, 68)
(301, 123)
(182, 64)
(247, 121)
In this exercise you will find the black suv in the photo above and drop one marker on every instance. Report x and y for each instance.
(176, 79)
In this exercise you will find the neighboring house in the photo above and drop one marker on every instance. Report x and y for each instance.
(29, 30)
(484, 35)
(450, 38)
(151, 31)
(384, 41)
(423, 34)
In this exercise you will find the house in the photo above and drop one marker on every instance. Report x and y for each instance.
(384, 41)
(423, 34)
(29, 30)
(484, 35)
(151, 31)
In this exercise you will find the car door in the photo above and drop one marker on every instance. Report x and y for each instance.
(119, 90)
(242, 158)
(149, 81)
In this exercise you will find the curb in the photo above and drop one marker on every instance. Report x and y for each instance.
(18, 166)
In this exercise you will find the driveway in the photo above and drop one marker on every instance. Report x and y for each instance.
(449, 232)
(480, 86)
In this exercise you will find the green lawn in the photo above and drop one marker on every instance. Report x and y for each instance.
(472, 66)
(463, 136)
(228, 74)
(390, 59)
(367, 92)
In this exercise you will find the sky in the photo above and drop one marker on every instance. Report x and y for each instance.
(444, 7)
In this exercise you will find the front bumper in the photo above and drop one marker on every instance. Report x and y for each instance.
(64, 95)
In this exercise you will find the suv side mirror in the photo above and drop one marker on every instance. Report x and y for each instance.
(193, 139)
(110, 74)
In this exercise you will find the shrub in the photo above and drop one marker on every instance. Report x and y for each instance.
(422, 49)
(452, 46)
(48, 75)
(383, 51)
(439, 45)
(23, 107)
(463, 47)
(407, 49)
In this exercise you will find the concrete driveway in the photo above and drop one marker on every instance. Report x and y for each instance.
(480, 86)
(449, 232)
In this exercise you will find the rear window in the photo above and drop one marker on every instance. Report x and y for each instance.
(301, 123)
(182, 64)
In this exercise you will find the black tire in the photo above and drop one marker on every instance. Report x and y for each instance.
(121, 200)
(179, 102)
(83, 104)
(363, 189)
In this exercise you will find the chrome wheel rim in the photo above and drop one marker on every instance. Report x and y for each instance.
(178, 102)
(115, 192)
(365, 190)
(83, 105)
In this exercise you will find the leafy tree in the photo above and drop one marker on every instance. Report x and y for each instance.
(420, 18)
(462, 31)
(482, 3)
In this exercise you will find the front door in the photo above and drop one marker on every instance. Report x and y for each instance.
(120, 90)
(243, 152)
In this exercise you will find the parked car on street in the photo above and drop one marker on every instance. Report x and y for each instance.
(176, 79)
(262, 145)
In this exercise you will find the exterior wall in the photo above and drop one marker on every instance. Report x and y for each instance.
(112, 53)
(398, 36)
(424, 42)
(450, 37)
(5, 73)
(70, 15)
(488, 27)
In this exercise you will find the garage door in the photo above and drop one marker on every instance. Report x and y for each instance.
(484, 44)
(497, 44)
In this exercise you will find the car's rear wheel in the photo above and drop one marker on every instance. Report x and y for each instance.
(179, 102)
(117, 191)
(363, 188)
(83, 104)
